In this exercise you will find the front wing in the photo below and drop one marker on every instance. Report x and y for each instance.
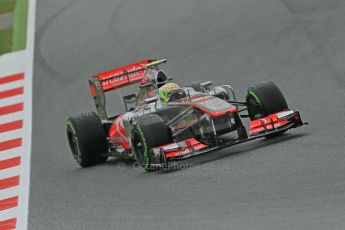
(267, 126)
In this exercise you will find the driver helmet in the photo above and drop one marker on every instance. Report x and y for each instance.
(170, 92)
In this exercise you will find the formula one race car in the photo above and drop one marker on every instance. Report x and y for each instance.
(163, 122)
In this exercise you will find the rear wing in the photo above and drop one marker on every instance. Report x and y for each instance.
(115, 79)
(123, 76)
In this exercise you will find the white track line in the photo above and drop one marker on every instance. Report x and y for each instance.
(22, 220)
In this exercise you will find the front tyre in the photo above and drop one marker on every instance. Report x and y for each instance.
(148, 131)
(87, 139)
(265, 99)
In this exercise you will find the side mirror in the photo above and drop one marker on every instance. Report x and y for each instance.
(148, 84)
(151, 100)
(206, 84)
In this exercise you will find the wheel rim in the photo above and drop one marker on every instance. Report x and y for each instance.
(73, 143)
(138, 147)
(254, 106)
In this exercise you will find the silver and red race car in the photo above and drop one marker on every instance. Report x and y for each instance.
(203, 118)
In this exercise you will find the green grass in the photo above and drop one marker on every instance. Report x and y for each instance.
(5, 41)
(20, 25)
(15, 39)
(7, 6)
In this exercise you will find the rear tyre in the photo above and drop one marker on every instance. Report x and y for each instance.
(148, 131)
(264, 99)
(87, 139)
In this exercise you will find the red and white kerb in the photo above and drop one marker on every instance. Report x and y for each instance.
(11, 149)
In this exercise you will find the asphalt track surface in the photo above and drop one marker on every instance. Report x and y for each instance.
(293, 182)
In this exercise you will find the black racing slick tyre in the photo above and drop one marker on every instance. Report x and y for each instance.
(265, 99)
(87, 139)
(148, 131)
